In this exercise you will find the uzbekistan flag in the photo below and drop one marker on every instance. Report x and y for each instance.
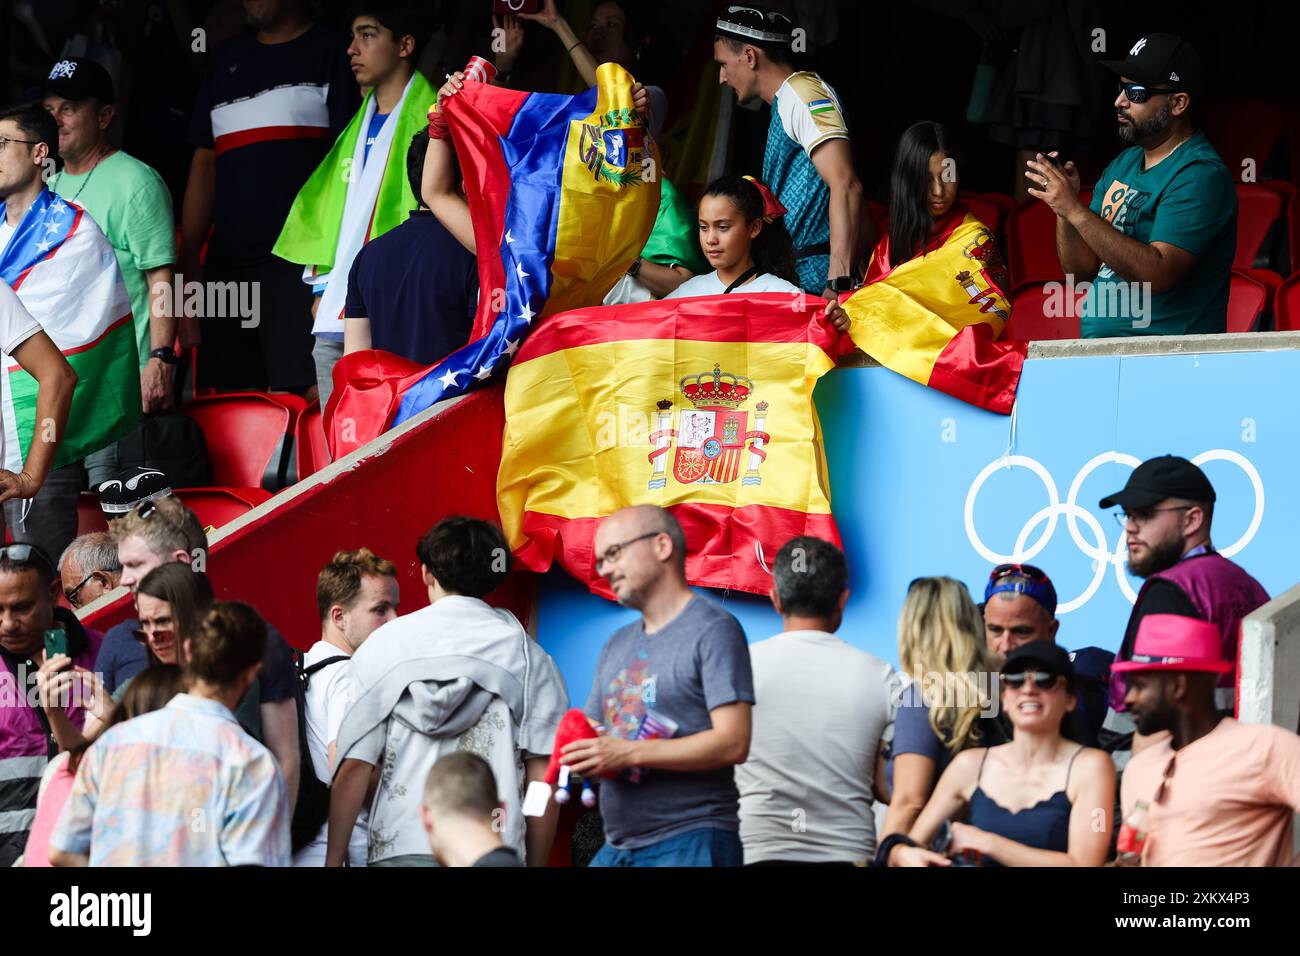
(935, 318)
(66, 275)
(700, 405)
(563, 192)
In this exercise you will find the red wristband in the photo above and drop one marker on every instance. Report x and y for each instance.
(438, 128)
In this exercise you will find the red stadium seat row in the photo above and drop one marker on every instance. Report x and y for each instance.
(257, 444)
(1033, 301)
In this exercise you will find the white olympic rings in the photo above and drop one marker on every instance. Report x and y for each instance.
(1098, 550)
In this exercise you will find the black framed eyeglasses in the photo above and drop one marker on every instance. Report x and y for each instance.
(1042, 679)
(72, 593)
(6, 140)
(614, 551)
(1140, 92)
(27, 554)
(1142, 515)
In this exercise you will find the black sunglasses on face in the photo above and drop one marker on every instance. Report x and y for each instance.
(1140, 92)
(1042, 679)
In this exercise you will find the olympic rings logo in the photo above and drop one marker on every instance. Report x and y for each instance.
(1098, 550)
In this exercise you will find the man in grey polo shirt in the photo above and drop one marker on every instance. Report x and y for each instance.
(807, 788)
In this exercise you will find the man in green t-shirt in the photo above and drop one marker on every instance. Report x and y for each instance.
(131, 205)
(1160, 236)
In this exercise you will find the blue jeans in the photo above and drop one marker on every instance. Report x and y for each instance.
(708, 847)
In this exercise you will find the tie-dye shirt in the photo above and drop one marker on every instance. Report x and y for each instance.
(182, 786)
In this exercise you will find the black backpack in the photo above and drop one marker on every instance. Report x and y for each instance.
(313, 806)
(171, 443)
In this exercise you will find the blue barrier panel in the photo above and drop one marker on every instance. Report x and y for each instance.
(924, 484)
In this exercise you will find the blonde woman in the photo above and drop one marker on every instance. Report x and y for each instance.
(944, 711)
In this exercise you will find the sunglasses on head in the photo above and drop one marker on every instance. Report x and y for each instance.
(1020, 571)
(1140, 92)
(27, 554)
(1042, 680)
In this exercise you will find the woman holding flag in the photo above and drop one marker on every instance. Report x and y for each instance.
(936, 298)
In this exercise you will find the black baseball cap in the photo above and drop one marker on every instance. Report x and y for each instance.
(131, 488)
(80, 78)
(1159, 478)
(1161, 59)
(1040, 656)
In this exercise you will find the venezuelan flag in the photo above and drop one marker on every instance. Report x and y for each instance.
(563, 192)
(935, 318)
(700, 405)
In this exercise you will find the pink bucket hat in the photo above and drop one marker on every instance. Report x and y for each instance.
(1171, 642)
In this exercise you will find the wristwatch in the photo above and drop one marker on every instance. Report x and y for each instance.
(167, 355)
(840, 284)
(635, 267)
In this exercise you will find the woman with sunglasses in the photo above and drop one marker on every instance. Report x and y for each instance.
(1039, 800)
(170, 602)
(942, 651)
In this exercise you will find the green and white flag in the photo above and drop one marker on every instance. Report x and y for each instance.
(66, 275)
(351, 198)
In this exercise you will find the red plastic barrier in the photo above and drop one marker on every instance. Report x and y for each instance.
(386, 502)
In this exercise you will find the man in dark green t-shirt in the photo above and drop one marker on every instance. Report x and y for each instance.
(1161, 233)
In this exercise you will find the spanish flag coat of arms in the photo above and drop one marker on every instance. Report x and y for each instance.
(699, 405)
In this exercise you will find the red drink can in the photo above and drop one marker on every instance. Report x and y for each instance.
(480, 70)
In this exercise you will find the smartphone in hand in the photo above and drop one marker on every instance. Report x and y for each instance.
(56, 642)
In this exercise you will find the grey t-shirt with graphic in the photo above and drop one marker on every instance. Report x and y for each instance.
(698, 662)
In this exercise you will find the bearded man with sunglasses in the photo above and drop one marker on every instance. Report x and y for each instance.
(1167, 507)
(1158, 241)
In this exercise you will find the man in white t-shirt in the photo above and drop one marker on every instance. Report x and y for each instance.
(808, 162)
(806, 790)
(458, 675)
(356, 593)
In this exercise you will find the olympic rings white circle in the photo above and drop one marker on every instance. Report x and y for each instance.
(1100, 552)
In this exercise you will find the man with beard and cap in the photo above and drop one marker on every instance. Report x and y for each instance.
(1159, 238)
(1211, 791)
(1166, 510)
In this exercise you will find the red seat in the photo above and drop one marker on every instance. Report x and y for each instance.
(89, 516)
(1287, 305)
(991, 214)
(1246, 299)
(1031, 242)
(1243, 129)
(1293, 217)
(310, 448)
(248, 436)
(217, 506)
(1030, 304)
(1258, 208)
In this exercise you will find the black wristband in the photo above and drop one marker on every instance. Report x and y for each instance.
(888, 844)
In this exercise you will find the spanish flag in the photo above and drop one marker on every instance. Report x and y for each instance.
(936, 317)
(563, 192)
(700, 405)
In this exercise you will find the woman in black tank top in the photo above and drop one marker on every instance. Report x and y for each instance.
(1040, 800)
